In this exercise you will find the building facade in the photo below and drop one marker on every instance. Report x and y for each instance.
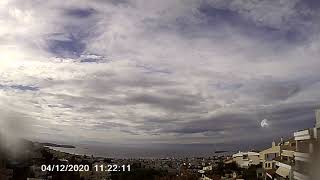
(285, 162)
(278, 160)
(306, 154)
(267, 156)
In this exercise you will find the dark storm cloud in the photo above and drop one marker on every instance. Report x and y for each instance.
(311, 5)
(88, 60)
(228, 125)
(294, 115)
(277, 90)
(80, 13)
(227, 122)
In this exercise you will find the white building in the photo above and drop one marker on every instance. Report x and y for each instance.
(207, 168)
(246, 159)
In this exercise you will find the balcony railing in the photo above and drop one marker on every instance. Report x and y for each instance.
(299, 156)
(285, 164)
(301, 133)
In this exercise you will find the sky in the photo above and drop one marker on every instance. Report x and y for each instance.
(159, 72)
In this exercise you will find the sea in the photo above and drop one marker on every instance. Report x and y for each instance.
(145, 152)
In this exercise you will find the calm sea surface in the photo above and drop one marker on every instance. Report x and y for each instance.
(142, 152)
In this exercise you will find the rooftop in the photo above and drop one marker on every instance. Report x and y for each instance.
(239, 154)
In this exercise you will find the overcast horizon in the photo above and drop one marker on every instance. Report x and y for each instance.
(219, 72)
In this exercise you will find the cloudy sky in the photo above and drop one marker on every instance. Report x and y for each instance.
(151, 71)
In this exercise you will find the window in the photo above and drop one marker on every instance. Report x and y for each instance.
(271, 156)
(245, 156)
(267, 165)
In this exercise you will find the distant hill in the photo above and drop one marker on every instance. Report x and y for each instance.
(218, 152)
(57, 145)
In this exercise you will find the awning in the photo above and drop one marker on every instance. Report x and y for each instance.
(284, 172)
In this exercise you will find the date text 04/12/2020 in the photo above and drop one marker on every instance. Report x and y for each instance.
(81, 167)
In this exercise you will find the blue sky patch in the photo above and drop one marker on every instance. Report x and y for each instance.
(19, 87)
(70, 48)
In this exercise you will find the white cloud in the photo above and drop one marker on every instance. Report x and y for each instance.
(165, 64)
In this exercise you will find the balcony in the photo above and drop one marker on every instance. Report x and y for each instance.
(286, 163)
(302, 169)
(303, 135)
(299, 176)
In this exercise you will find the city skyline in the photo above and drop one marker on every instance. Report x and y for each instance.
(158, 72)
